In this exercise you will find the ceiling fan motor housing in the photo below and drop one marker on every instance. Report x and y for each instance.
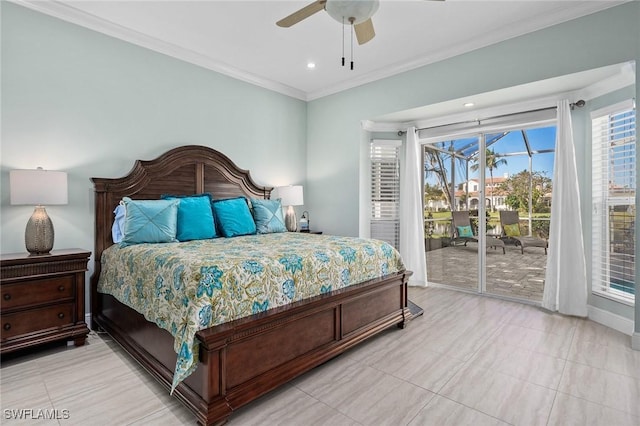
(344, 10)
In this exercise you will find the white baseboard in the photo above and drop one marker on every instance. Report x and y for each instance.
(87, 320)
(608, 319)
(635, 341)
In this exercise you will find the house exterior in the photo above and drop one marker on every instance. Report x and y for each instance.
(468, 197)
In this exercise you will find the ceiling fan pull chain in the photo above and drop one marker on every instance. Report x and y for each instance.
(343, 41)
(352, 30)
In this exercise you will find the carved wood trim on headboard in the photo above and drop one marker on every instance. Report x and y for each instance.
(189, 169)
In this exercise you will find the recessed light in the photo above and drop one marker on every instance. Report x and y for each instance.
(311, 65)
(468, 104)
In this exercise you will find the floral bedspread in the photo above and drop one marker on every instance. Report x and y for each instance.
(189, 286)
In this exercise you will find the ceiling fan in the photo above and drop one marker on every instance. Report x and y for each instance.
(357, 13)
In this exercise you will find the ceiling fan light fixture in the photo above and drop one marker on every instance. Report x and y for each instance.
(345, 10)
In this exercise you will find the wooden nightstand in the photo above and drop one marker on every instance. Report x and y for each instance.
(42, 298)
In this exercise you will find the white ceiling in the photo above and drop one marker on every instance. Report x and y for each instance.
(241, 39)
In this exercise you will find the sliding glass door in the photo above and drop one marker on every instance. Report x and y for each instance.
(451, 252)
(518, 189)
(475, 182)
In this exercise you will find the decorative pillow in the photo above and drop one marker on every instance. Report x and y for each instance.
(464, 231)
(512, 230)
(195, 217)
(117, 229)
(150, 221)
(233, 217)
(267, 215)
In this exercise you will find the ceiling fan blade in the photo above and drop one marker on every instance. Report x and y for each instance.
(364, 31)
(301, 14)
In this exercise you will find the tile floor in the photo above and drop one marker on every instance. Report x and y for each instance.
(470, 360)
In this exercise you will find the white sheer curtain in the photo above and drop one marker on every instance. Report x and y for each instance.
(565, 287)
(411, 211)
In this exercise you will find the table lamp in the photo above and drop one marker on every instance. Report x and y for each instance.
(38, 188)
(290, 196)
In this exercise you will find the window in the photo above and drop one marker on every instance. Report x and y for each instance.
(385, 191)
(614, 209)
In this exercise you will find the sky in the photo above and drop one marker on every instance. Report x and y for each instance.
(512, 143)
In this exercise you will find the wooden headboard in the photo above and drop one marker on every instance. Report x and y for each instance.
(189, 169)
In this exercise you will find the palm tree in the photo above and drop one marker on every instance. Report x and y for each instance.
(434, 165)
(493, 161)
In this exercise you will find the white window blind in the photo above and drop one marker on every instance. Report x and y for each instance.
(614, 209)
(385, 190)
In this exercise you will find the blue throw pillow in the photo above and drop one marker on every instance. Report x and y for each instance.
(268, 216)
(149, 221)
(195, 217)
(464, 231)
(233, 217)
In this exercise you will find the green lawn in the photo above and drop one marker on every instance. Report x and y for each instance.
(541, 227)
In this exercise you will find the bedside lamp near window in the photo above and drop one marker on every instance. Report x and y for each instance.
(290, 196)
(38, 188)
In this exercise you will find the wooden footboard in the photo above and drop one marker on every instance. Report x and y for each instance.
(244, 359)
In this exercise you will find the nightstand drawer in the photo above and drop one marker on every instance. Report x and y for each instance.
(36, 292)
(36, 319)
(42, 298)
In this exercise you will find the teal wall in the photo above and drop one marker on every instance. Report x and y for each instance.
(89, 104)
(86, 103)
(334, 128)
(334, 133)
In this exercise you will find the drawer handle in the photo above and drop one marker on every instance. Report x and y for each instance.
(7, 326)
(61, 288)
(6, 296)
(60, 315)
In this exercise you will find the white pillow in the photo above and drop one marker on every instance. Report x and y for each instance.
(117, 230)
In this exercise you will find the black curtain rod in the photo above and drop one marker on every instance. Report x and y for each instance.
(479, 120)
(579, 104)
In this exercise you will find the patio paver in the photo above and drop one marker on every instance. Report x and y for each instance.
(511, 274)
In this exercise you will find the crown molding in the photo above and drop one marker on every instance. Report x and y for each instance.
(75, 16)
(513, 30)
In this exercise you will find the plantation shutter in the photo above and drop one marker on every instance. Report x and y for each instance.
(385, 191)
(614, 209)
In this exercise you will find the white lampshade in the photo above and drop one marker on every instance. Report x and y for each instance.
(291, 195)
(360, 10)
(38, 187)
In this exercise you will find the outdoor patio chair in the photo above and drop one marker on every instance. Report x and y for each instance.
(463, 231)
(510, 221)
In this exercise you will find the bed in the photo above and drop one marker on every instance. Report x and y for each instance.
(242, 359)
